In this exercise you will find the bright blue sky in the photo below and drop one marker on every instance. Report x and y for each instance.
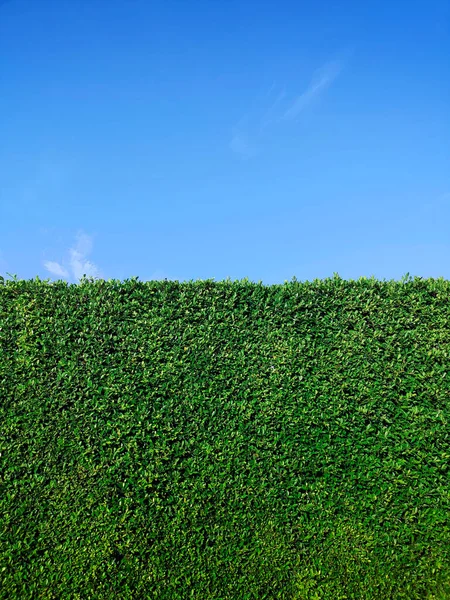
(224, 138)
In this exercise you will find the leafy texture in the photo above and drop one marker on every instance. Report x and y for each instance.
(225, 440)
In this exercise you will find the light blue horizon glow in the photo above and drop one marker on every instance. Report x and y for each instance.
(239, 139)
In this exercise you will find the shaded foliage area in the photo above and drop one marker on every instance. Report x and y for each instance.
(216, 440)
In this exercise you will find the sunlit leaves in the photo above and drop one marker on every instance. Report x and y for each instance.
(225, 440)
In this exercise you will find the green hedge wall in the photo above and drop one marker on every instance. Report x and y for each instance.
(225, 440)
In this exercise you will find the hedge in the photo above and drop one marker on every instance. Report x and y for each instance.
(225, 440)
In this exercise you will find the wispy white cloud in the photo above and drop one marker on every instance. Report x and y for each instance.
(78, 264)
(246, 140)
(321, 80)
(55, 269)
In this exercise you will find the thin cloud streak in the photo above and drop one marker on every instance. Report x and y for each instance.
(322, 79)
(245, 141)
(272, 87)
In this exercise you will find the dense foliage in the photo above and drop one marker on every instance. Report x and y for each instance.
(225, 440)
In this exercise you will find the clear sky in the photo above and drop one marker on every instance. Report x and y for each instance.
(198, 139)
